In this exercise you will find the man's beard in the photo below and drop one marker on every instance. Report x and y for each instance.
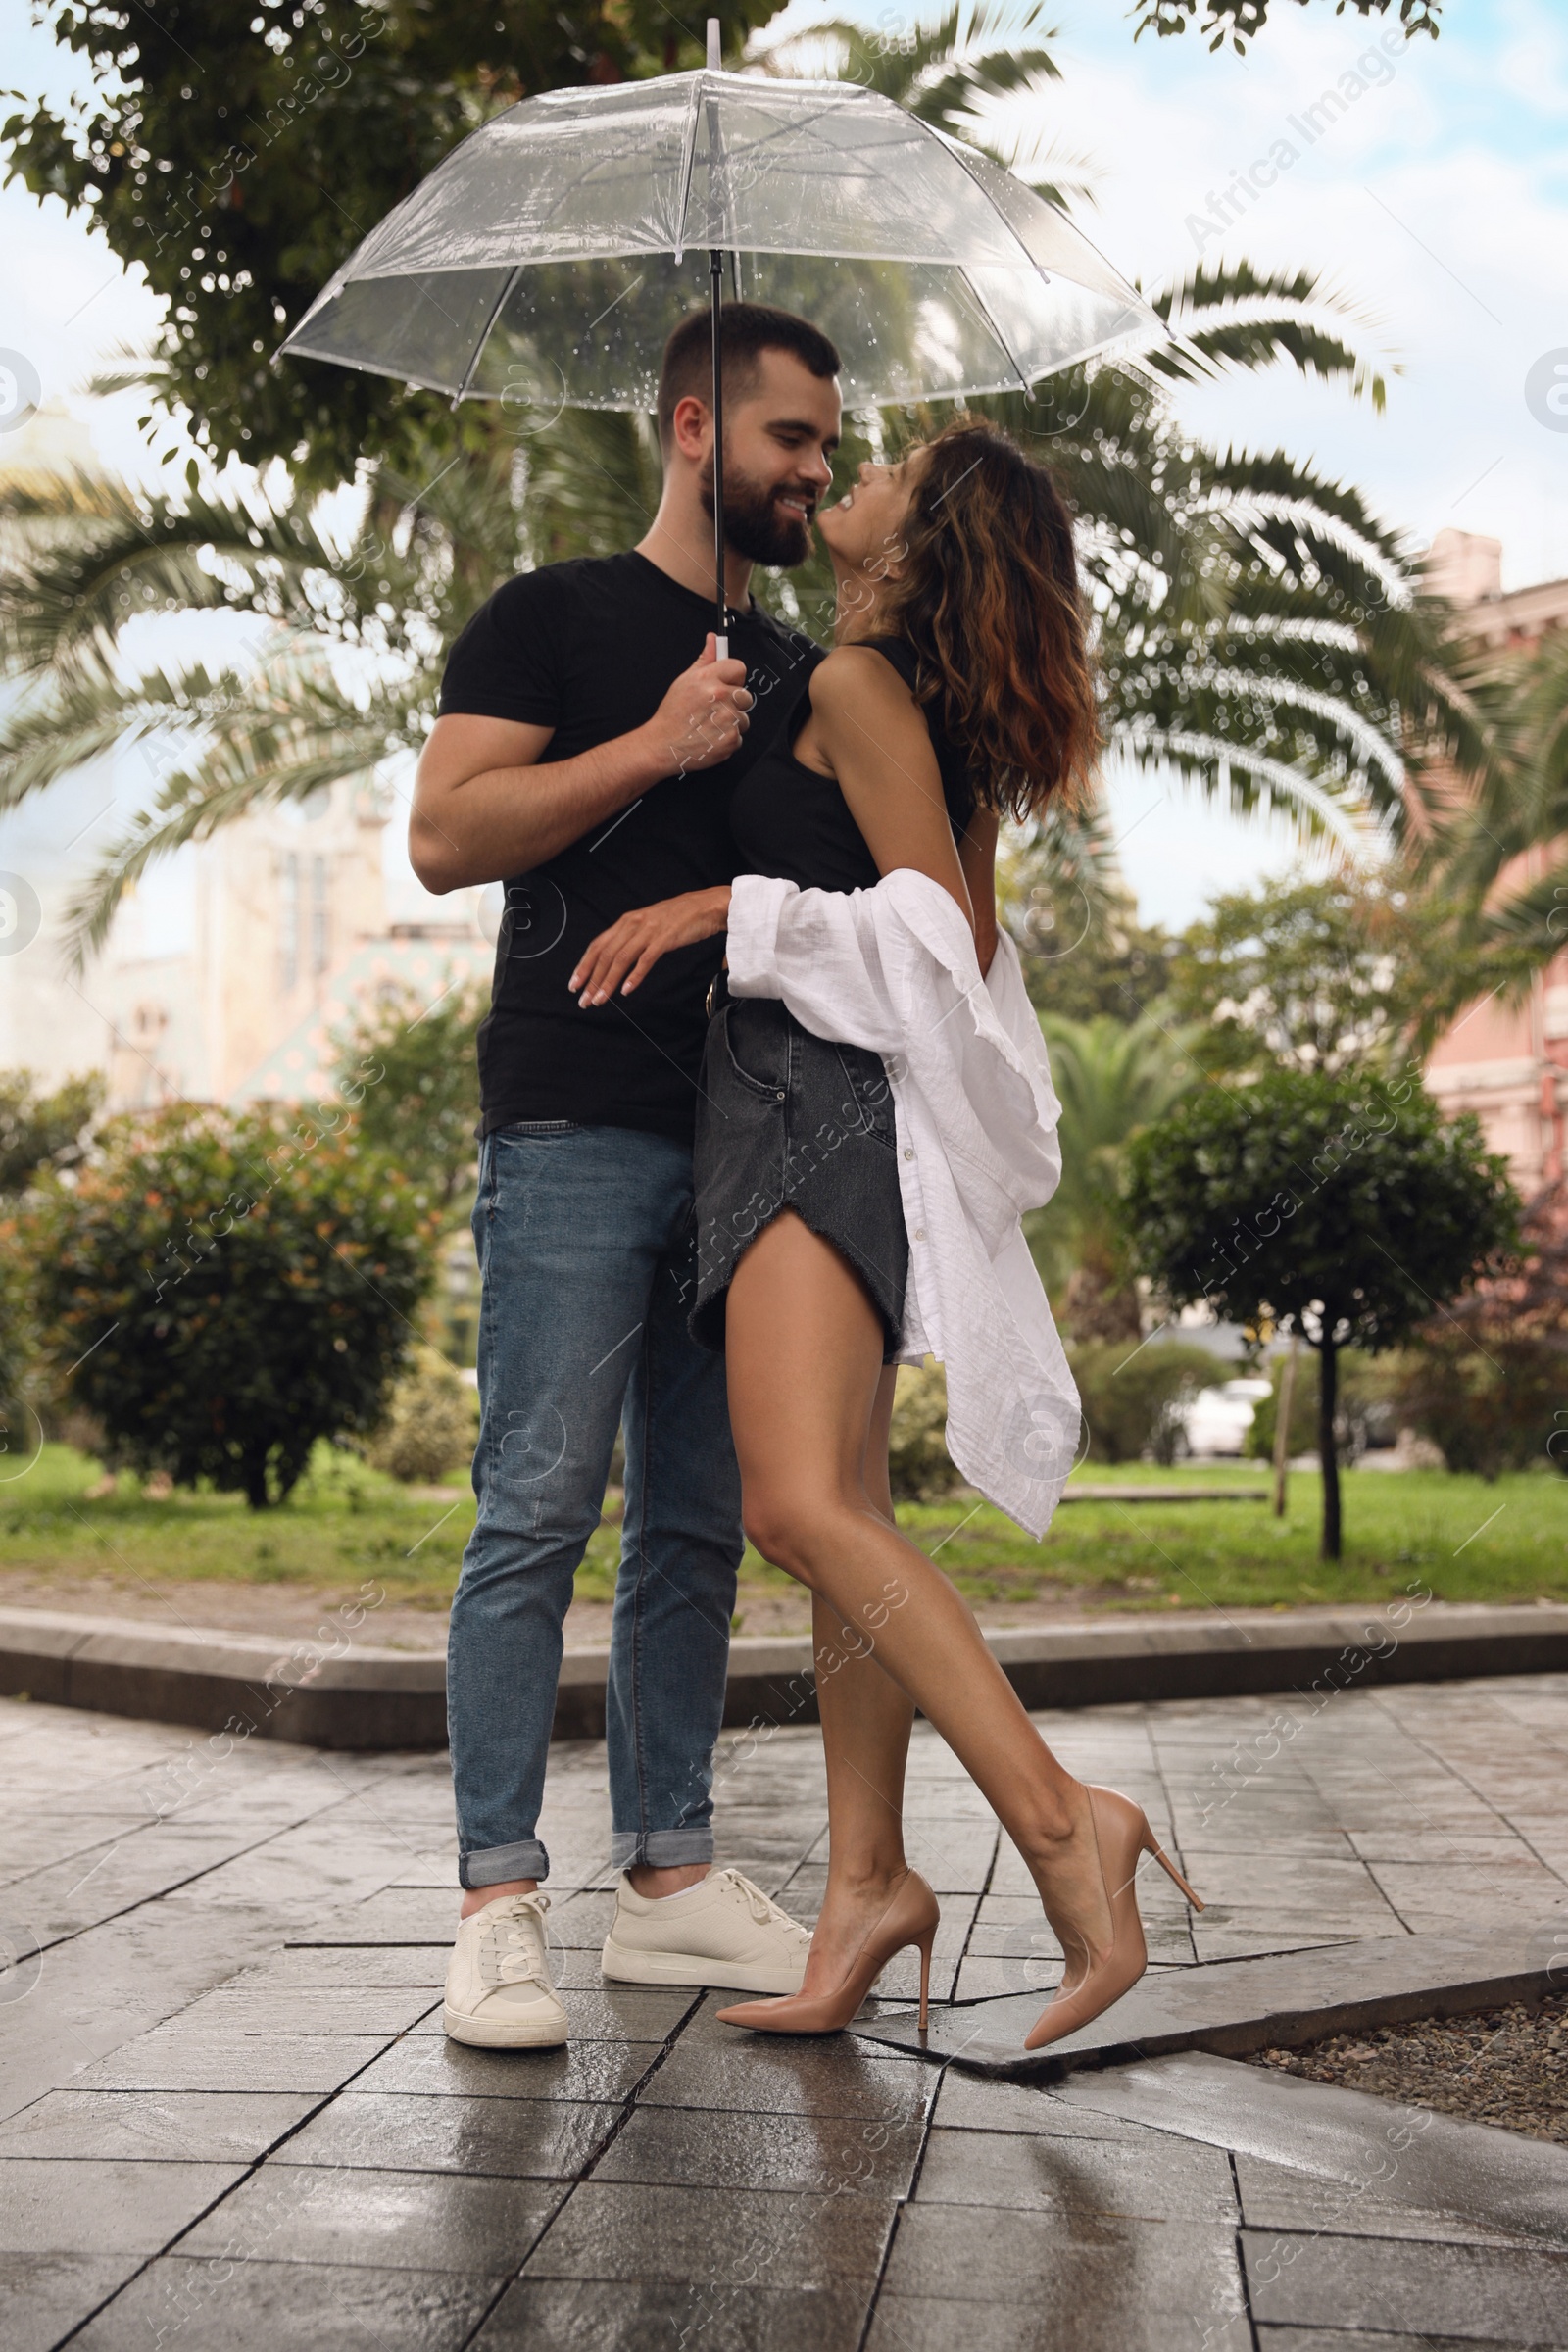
(756, 526)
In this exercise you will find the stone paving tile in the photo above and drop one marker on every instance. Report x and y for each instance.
(1339, 2340)
(969, 2103)
(210, 2306)
(261, 2005)
(714, 2238)
(45, 2296)
(1152, 2178)
(170, 2059)
(1276, 2198)
(1435, 1898)
(1404, 2156)
(433, 2067)
(114, 1983)
(542, 2139)
(1393, 2287)
(397, 1914)
(1055, 2282)
(557, 2315)
(91, 2205)
(384, 2219)
(399, 1963)
(46, 1839)
(781, 2152)
(105, 1880)
(158, 2127)
(791, 2078)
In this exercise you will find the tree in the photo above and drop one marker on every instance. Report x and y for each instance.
(224, 1291)
(1318, 975)
(410, 1069)
(1343, 1207)
(43, 1131)
(238, 154)
(1239, 20)
(1114, 1077)
(1500, 847)
(1257, 628)
(1489, 1381)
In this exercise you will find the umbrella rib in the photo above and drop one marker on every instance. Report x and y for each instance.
(688, 163)
(512, 278)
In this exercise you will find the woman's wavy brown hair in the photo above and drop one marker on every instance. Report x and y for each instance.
(988, 595)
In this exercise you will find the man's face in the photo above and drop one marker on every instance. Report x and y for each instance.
(779, 436)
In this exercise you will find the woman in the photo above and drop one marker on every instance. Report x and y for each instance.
(959, 689)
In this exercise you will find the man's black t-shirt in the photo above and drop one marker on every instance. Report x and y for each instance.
(590, 648)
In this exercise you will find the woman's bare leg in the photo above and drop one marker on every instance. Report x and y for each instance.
(866, 1721)
(804, 1348)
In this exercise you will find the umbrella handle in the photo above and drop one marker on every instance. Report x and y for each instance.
(715, 264)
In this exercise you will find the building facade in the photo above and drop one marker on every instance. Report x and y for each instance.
(1508, 1062)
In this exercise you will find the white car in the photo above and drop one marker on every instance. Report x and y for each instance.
(1218, 1419)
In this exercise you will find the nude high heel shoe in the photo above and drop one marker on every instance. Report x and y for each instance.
(911, 1917)
(1121, 1833)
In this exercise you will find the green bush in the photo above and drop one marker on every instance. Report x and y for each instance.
(223, 1290)
(918, 1467)
(1133, 1397)
(431, 1423)
(1488, 1383)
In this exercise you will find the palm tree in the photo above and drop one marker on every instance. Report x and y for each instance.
(1257, 626)
(1501, 849)
(1113, 1078)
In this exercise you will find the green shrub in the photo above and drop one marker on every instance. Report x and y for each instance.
(918, 1467)
(1488, 1383)
(1133, 1397)
(431, 1423)
(223, 1290)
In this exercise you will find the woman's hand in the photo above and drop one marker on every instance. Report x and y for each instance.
(629, 951)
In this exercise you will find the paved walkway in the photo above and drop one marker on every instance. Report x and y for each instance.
(232, 2120)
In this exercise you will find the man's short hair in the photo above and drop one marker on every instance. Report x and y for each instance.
(747, 330)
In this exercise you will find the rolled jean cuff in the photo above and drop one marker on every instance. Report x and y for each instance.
(495, 1864)
(659, 1849)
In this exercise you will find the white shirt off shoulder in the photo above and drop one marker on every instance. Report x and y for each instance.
(895, 970)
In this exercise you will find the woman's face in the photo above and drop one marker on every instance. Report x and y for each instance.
(866, 528)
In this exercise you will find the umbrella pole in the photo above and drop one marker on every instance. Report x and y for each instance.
(715, 266)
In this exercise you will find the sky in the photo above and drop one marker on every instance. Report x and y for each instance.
(1437, 205)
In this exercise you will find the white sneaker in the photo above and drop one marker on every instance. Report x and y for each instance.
(722, 1932)
(499, 1993)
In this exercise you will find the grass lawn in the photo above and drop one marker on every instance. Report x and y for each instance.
(1459, 1539)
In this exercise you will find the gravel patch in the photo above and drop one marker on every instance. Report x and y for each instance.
(1502, 2066)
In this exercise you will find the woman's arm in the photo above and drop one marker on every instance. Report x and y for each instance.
(629, 950)
(869, 731)
(977, 854)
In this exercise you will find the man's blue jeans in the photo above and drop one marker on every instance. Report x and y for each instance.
(586, 1250)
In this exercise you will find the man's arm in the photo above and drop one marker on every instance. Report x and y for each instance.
(484, 807)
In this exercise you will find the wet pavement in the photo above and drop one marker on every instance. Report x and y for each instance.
(229, 2116)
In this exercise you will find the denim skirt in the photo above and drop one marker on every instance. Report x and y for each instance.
(785, 1121)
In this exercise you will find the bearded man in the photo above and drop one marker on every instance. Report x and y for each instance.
(587, 745)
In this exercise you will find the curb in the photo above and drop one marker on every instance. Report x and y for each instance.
(344, 1695)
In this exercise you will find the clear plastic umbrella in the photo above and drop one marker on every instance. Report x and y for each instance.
(545, 261)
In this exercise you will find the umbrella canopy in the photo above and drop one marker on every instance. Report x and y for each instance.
(546, 258)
